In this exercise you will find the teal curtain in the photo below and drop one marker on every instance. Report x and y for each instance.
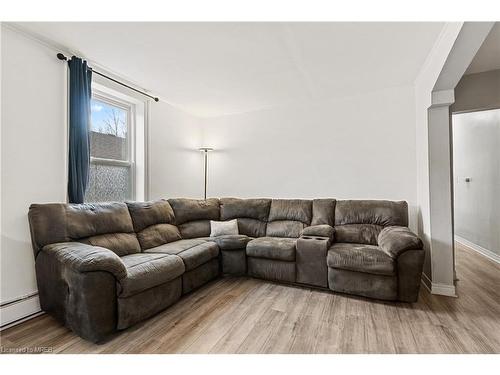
(80, 95)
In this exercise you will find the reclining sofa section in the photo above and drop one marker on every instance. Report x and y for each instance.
(104, 267)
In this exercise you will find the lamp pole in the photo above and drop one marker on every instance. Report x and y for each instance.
(205, 151)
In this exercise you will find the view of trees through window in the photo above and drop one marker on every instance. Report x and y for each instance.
(110, 169)
(108, 119)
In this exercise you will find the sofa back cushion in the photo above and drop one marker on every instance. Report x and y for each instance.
(154, 223)
(102, 224)
(360, 221)
(323, 211)
(288, 217)
(251, 214)
(193, 216)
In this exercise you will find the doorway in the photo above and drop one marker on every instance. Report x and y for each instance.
(476, 181)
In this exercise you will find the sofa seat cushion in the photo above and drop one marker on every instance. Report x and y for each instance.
(278, 248)
(360, 258)
(193, 252)
(230, 241)
(145, 271)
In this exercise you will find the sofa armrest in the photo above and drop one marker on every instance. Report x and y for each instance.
(77, 285)
(323, 230)
(86, 258)
(395, 240)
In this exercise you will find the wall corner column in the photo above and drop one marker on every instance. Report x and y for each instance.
(441, 193)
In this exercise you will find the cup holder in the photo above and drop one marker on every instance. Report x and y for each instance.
(314, 238)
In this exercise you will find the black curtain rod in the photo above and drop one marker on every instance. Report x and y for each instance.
(60, 56)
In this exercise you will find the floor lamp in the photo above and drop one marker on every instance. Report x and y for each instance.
(205, 151)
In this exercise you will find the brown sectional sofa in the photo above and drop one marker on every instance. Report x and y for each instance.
(104, 267)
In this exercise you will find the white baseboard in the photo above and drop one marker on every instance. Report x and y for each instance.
(479, 249)
(426, 282)
(437, 288)
(18, 310)
(444, 290)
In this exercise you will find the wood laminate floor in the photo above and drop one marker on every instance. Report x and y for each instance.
(243, 315)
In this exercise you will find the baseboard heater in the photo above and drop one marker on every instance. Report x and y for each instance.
(19, 309)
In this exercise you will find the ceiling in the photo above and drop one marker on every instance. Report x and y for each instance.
(488, 56)
(214, 69)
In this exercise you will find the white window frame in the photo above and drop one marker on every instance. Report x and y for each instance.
(130, 108)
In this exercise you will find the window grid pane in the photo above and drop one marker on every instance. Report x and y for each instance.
(108, 183)
(109, 139)
(109, 131)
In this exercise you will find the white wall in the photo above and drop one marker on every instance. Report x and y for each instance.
(33, 157)
(175, 164)
(476, 155)
(355, 147)
(478, 91)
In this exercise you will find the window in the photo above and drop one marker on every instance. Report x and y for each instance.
(112, 167)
